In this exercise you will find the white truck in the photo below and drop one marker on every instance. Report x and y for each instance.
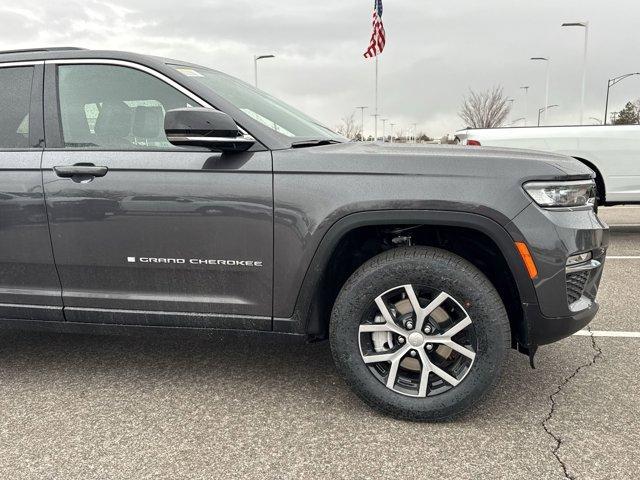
(612, 152)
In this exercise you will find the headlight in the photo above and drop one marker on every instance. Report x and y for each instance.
(578, 193)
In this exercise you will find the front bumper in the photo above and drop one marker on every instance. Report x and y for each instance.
(543, 330)
(566, 296)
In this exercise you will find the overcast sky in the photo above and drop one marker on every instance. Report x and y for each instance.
(436, 49)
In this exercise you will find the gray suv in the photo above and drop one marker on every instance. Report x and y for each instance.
(143, 194)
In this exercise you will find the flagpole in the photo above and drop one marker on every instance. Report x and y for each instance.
(375, 138)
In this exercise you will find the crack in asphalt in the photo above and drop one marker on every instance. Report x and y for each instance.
(552, 399)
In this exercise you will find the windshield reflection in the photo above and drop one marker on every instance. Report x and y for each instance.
(262, 107)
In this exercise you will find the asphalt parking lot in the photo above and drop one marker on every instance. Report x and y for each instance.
(133, 408)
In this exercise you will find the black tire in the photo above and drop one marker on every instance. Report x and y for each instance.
(442, 271)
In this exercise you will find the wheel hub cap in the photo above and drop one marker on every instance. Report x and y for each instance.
(416, 339)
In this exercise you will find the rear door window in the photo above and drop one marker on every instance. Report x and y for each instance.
(15, 93)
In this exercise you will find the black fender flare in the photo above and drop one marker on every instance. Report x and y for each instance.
(483, 224)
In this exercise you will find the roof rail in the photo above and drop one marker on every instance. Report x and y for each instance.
(49, 49)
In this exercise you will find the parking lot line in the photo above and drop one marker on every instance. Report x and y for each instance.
(607, 333)
(623, 257)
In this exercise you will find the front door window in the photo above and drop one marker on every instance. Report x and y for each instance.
(115, 108)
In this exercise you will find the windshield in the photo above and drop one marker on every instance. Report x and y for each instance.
(261, 106)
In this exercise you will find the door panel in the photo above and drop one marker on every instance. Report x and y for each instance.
(29, 286)
(186, 237)
(144, 232)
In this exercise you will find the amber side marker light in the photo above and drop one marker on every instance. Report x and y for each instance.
(527, 259)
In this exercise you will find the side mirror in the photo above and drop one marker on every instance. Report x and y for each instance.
(205, 127)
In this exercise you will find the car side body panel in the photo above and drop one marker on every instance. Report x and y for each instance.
(29, 285)
(315, 188)
(127, 243)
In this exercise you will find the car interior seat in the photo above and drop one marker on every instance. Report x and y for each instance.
(148, 125)
(113, 125)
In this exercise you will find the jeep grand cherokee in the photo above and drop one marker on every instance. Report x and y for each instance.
(422, 265)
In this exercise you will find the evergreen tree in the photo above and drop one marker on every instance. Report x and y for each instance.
(628, 115)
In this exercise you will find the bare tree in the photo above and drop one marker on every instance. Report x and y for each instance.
(349, 128)
(487, 109)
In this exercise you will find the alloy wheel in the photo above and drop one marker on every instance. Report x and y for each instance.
(417, 341)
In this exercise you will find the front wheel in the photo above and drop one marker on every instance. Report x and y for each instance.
(419, 333)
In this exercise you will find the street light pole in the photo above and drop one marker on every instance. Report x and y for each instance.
(526, 102)
(546, 96)
(510, 101)
(392, 131)
(362, 109)
(610, 84)
(255, 66)
(375, 119)
(415, 132)
(606, 106)
(544, 109)
(384, 125)
(584, 25)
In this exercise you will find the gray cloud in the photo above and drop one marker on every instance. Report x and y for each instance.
(436, 50)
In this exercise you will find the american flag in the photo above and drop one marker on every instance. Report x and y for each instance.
(376, 45)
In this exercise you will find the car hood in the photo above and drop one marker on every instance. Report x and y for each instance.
(433, 160)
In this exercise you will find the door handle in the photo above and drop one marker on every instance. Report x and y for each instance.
(80, 169)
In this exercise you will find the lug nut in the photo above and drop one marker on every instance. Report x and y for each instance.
(401, 340)
(427, 329)
(429, 347)
(409, 325)
(413, 353)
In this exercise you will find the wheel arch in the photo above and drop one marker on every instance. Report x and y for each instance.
(316, 295)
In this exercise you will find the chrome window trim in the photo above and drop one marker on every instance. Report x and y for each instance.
(136, 66)
(30, 63)
(142, 68)
(179, 138)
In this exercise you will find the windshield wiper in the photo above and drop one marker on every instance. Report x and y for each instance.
(313, 143)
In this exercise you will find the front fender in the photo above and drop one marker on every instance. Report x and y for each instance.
(297, 322)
